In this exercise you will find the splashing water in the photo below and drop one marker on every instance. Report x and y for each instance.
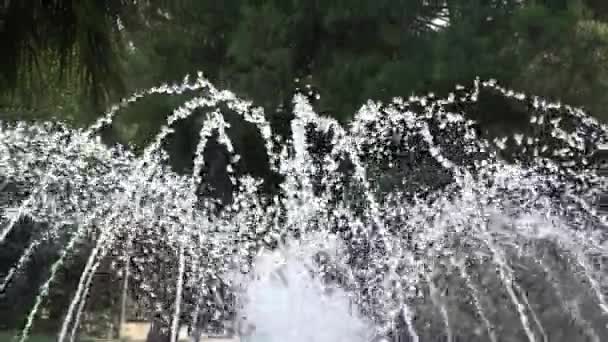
(286, 302)
(441, 234)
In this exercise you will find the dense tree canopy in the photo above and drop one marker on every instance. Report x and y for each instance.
(348, 51)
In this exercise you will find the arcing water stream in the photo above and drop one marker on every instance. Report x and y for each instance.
(406, 223)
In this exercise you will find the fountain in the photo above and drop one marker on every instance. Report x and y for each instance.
(404, 225)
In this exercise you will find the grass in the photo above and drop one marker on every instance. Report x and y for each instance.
(8, 337)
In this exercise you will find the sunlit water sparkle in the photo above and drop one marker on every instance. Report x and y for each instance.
(436, 235)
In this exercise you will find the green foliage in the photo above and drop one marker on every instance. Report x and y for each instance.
(82, 37)
(348, 51)
(562, 57)
(331, 44)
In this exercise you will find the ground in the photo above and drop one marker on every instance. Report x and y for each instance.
(8, 336)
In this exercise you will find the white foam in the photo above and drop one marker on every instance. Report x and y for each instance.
(285, 302)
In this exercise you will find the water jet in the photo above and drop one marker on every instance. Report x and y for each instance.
(428, 230)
